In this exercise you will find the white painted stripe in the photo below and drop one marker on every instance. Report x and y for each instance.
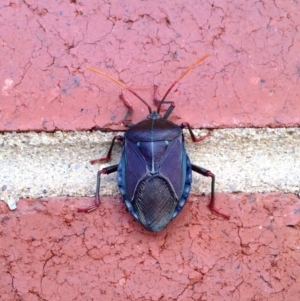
(57, 164)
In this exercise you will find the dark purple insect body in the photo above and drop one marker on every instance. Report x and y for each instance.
(155, 172)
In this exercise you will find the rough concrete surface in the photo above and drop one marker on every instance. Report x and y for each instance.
(251, 79)
(48, 251)
(51, 252)
(57, 164)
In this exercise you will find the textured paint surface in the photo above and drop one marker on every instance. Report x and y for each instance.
(48, 251)
(251, 79)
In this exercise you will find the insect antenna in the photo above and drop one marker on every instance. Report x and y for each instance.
(180, 77)
(122, 85)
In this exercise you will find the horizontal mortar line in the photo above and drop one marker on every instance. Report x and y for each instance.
(35, 165)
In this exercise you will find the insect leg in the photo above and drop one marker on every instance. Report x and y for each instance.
(157, 102)
(106, 171)
(207, 173)
(185, 125)
(126, 120)
(169, 110)
(107, 158)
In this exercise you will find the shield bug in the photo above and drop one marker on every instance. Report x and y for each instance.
(155, 172)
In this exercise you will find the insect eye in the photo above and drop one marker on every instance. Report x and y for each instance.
(167, 142)
(138, 144)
